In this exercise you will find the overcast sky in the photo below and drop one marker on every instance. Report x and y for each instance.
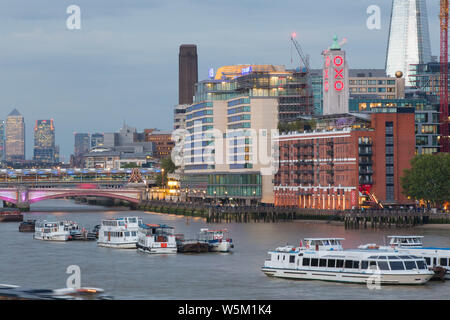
(123, 62)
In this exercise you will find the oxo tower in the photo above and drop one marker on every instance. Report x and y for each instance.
(409, 37)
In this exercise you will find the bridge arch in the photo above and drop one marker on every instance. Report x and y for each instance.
(8, 199)
(41, 195)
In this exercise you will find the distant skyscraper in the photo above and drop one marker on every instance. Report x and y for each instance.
(2, 140)
(15, 136)
(97, 140)
(409, 37)
(188, 73)
(82, 144)
(44, 141)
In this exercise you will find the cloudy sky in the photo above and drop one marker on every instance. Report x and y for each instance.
(123, 62)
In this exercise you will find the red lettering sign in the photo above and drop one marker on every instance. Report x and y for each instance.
(338, 85)
(339, 73)
(338, 61)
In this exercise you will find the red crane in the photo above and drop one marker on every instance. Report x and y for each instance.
(443, 83)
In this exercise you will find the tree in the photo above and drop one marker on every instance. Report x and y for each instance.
(130, 165)
(169, 167)
(428, 179)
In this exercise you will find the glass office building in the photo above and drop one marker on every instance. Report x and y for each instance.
(409, 37)
(44, 141)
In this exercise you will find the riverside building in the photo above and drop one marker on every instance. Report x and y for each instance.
(426, 117)
(347, 158)
(227, 149)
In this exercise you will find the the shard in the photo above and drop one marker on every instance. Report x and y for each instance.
(409, 37)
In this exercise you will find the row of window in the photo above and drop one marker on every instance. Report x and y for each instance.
(239, 118)
(120, 234)
(363, 264)
(371, 82)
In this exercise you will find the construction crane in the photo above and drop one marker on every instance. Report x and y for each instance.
(443, 81)
(305, 61)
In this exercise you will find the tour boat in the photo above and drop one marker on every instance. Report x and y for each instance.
(54, 231)
(119, 233)
(352, 266)
(218, 240)
(436, 258)
(156, 238)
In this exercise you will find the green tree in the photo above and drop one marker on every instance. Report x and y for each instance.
(428, 179)
(169, 167)
(130, 165)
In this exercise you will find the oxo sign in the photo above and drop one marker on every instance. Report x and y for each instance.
(337, 70)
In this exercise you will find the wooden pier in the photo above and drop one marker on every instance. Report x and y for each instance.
(352, 219)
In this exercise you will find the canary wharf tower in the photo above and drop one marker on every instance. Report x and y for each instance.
(409, 38)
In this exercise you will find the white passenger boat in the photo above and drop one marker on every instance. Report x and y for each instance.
(54, 231)
(435, 257)
(156, 238)
(119, 233)
(218, 240)
(353, 266)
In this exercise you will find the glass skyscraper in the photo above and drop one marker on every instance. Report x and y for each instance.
(409, 37)
(44, 141)
(15, 136)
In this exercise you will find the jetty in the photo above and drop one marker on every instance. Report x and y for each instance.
(352, 219)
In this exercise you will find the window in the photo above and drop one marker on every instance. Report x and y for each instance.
(410, 265)
(339, 263)
(382, 265)
(322, 262)
(396, 265)
(314, 262)
(443, 262)
(421, 265)
(305, 262)
(364, 264)
(291, 259)
(331, 263)
(428, 261)
(348, 264)
(355, 264)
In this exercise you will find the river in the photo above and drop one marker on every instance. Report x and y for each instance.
(129, 274)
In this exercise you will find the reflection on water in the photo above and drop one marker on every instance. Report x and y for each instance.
(128, 274)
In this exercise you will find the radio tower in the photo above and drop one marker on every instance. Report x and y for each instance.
(443, 83)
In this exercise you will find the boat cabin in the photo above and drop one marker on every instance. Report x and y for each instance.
(323, 243)
(160, 232)
(208, 235)
(406, 241)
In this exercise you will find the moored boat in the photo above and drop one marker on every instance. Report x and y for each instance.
(217, 240)
(352, 266)
(27, 226)
(119, 233)
(156, 238)
(10, 216)
(436, 258)
(54, 231)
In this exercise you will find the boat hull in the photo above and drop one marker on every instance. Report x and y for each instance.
(347, 277)
(62, 237)
(223, 246)
(157, 250)
(11, 217)
(129, 245)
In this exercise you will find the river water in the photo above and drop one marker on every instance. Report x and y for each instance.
(129, 274)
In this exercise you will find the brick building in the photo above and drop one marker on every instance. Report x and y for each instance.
(162, 140)
(346, 166)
